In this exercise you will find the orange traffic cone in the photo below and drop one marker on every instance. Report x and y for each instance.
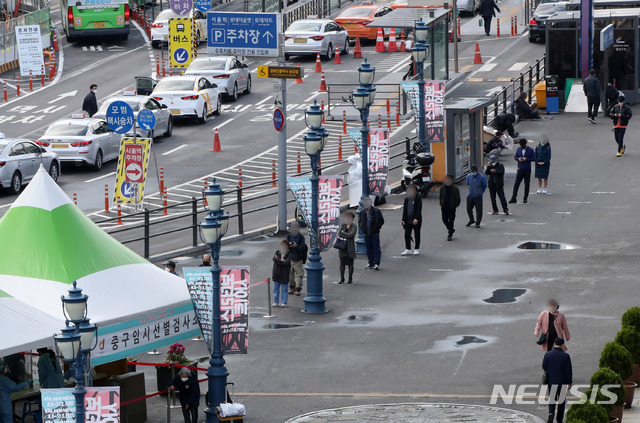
(299, 80)
(216, 142)
(403, 45)
(323, 84)
(357, 51)
(380, 48)
(477, 59)
(393, 44)
(336, 59)
(56, 46)
(318, 64)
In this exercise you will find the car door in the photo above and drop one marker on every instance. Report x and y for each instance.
(32, 160)
(235, 68)
(19, 160)
(331, 33)
(112, 138)
(162, 118)
(144, 85)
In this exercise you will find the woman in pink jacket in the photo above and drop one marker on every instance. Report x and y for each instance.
(554, 324)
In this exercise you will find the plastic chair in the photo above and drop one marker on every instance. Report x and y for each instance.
(29, 409)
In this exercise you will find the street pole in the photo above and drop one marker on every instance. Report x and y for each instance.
(455, 36)
(282, 150)
(421, 117)
(79, 391)
(364, 158)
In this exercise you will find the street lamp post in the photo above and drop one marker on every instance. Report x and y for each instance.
(212, 230)
(420, 52)
(76, 342)
(314, 141)
(363, 98)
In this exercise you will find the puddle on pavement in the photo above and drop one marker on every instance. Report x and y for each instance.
(504, 295)
(470, 340)
(281, 326)
(361, 318)
(536, 245)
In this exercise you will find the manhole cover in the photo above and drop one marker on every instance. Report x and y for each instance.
(470, 340)
(540, 245)
(504, 295)
(280, 326)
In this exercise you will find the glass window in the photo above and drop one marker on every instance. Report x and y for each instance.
(66, 129)
(439, 50)
(152, 105)
(216, 64)
(622, 59)
(17, 150)
(174, 85)
(561, 59)
(3, 145)
(31, 148)
(356, 12)
(105, 127)
(303, 26)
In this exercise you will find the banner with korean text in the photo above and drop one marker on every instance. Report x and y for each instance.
(378, 161)
(200, 285)
(329, 194)
(102, 405)
(434, 93)
(145, 333)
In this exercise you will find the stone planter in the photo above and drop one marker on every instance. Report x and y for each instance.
(617, 412)
(614, 420)
(635, 377)
(630, 388)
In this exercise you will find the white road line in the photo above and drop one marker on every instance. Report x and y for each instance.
(101, 177)
(223, 124)
(488, 67)
(603, 192)
(264, 100)
(518, 66)
(174, 150)
(400, 65)
(144, 34)
(314, 95)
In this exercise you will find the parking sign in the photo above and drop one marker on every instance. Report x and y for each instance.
(245, 34)
(120, 117)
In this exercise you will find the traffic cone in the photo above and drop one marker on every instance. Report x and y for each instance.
(380, 48)
(56, 46)
(357, 51)
(477, 59)
(403, 45)
(323, 84)
(299, 80)
(393, 44)
(336, 58)
(318, 65)
(216, 142)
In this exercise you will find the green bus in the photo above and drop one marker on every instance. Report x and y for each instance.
(94, 18)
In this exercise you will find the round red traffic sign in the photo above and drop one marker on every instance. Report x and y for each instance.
(278, 119)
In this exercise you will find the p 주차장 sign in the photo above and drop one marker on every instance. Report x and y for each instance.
(244, 34)
(29, 50)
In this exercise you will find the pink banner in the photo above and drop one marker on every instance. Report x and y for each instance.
(234, 309)
(378, 161)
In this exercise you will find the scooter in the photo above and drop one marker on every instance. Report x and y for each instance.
(416, 169)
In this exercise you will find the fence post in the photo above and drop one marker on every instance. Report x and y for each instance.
(530, 82)
(328, 99)
(521, 82)
(504, 101)
(168, 408)
(194, 220)
(538, 70)
(146, 233)
(240, 217)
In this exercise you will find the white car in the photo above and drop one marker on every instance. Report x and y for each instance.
(164, 121)
(20, 160)
(160, 26)
(228, 73)
(82, 141)
(313, 36)
(188, 96)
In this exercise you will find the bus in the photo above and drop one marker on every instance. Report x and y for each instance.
(94, 18)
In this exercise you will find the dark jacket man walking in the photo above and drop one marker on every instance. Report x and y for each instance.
(524, 156)
(371, 221)
(298, 255)
(412, 220)
(495, 173)
(487, 10)
(557, 364)
(620, 114)
(449, 202)
(591, 88)
(90, 104)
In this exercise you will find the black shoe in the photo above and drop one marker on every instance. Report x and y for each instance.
(341, 282)
(349, 282)
(477, 225)
(513, 201)
(524, 201)
(469, 223)
(449, 237)
(550, 419)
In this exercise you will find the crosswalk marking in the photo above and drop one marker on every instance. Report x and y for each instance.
(488, 67)
(92, 48)
(518, 66)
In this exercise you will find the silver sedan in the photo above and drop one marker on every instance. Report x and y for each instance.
(164, 122)
(313, 36)
(20, 160)
(228, 73)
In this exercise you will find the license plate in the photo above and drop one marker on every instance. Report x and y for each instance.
(59, 145)
(348, 25)
(300, 41)
(98, 24)
(175, 112)
(425, 179)
(165, 37)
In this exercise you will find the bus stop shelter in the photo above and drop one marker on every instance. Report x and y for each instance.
(563, 48)
(436, 66)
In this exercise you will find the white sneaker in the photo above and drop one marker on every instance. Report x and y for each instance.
(406, 253)
(283, 306)
(275, 305)
(416, 252)
(544, 191)
(539, 191)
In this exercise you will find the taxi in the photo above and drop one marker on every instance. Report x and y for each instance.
(81, 140)
(164, 121)
(356, 18)
(188, 96)
(315, 36)
(160, 26)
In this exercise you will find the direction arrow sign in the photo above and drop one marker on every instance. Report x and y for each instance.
(181, 55)
(181, 7)
(280, 72)
(181, 50)
(120, 117)
(146, 119)
(63, 95)
(203, 5)
(226, 29)
(133, 162)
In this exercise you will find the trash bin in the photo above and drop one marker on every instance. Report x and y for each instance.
(541, 94)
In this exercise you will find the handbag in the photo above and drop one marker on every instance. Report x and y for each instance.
(340, 244)
(542, 339)
(545, 377)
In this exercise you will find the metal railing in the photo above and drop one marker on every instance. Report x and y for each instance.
(526, 82)
(339, 94)
(8, 45)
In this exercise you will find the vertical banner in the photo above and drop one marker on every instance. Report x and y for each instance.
(378, 161)
(102, 405)
(356, 136)
(329, 194)
(200, 285)
(434, 93)
(131, 174)
(234, 309)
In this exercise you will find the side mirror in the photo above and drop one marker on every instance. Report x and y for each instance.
(164, 106)
(214, 85)
(342, 28)
(244, 65)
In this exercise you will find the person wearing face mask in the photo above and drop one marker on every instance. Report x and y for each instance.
(543, 163)
(49, 371)
(170, 267)
(552, 323)
(298, 253)
(371, 222)
(495, 172)
(449, 202)
(189, 394)
(7, 387)
(206, 261)
(280, 274)
(524, 156)
(620, 114)
(476, 184)
(347, 256)
(412, 220)
(90, 103)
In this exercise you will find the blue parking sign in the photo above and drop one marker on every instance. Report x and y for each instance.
(244, 34)
(120, 117)
(203, 5)
(146, 119)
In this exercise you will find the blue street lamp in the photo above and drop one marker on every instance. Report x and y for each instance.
(314, 141)
(363, 98)
(420, 52)
(76, 342)
(212, 230)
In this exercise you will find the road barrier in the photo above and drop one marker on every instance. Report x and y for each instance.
(339, 95)
(273, 173)
(299, 165)
(339, 148)
(106, 198)
(18, 85)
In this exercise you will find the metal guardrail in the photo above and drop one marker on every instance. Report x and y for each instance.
(339, 94)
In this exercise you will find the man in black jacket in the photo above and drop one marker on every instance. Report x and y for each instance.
(504, 122)
(90, 104)
(371, 221)
(449, 202)
(524, 110)
(557, 364)
(487, 10)
(495, 182)
(591, 88)
(620, 114)
(412, 220)
(297, 255)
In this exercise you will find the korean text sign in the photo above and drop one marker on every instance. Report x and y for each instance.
(30, 49)
(181, 51)
(102, 405)
(434, 93)
(378, 161)
(199, 283)
(131, 173)
(246, 34)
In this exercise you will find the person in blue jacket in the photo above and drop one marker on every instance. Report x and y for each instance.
(7, 387)
(476, 184)
(524, 156)
(49, 371)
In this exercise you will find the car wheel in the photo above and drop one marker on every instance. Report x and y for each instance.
(248, 90)
(16, 183)
(169, 127)
(345, 50)
(329, 54)
(234, 94)
(125, 37)
(97, 165)
(54, 171)
(218, 106)
(287, 57)
(532, 40)
(203, 119)
(155, 44)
